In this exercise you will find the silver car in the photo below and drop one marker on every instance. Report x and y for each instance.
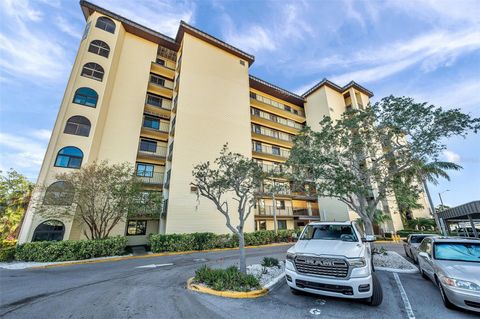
(411, 245)
(453, 264)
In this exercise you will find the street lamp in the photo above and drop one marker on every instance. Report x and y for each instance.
(440, 196)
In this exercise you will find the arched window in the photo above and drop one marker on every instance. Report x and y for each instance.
(106, 24)
(99, 47)
(93, 71)
(86, 96)
(78, 125)
(70, 157)
(59, 194)
(49, 230)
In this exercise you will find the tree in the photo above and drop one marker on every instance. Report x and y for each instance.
(233, 176)
(15, 192)
(101, 195)
(358, 158)
(440, 208)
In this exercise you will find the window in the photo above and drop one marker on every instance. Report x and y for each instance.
(258, 147)
(93, 71)
(157, 80)
(154, 100)
(148, 146)
(99, 47)
(256, 129)
(145, 170)
(49, 230)
(151, 122)
(160, 61)
(275, 150)
(86, 96)
(280, 204)
(59, 193)
(106, 24)
(136, 227)
(262, 225)
(70, 157)
(78, 125)
(329, 232)
(282, 224)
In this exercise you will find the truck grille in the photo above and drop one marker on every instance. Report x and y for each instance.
(321, 266)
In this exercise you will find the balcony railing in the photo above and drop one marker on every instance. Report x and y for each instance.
(150, 178)
(161, 82)
(276, 169)
(268, 211)
(153, 150)
(167, 53)
(272, 133)
(303, 211)
(271, 150)
(156, 126)
(157, 101)
(276, 104)
(276, 119)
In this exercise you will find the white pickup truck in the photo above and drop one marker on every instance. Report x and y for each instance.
(333, 259)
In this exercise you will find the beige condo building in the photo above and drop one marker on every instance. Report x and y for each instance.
(135, 95)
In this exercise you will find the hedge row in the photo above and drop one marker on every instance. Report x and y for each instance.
(204, 241)
(7, 250)
(48, 251)
(406, 232)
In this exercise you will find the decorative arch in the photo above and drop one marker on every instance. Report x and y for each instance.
(59, 194)
(49, 230)
(93, 71)
(69, 157)
(99, 47)
(78, 125)
(86, 96)
(106, 24)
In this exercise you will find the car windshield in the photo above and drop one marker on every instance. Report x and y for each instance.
(458, 251)
(417, 239)
(329, 232)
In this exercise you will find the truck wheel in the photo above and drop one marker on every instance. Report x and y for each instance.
(377, 296)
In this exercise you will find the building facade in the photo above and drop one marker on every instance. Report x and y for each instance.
(164, 105)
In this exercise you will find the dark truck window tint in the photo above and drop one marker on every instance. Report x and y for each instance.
(329, 232)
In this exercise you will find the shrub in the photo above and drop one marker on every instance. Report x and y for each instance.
(270, 262)
(406, 232)
(204, 241)
(7, 250)
(226, 279)
(49, 251)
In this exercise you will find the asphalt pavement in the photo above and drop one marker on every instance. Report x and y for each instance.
(155, 288)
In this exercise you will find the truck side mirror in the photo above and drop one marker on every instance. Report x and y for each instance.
(368, 239)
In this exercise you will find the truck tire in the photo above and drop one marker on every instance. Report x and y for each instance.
(377, 293)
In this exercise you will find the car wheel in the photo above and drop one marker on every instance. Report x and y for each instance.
(445, 300)
(377, 293)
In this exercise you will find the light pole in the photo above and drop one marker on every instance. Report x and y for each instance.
(440, 196)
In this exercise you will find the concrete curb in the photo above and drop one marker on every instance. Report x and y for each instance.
(402, 271)
(275, 282)
(108, 259)
(227, 293)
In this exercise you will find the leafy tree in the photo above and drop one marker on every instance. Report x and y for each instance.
(358, 158)
(440, 208)
(232, 176)
(15, 192)
(421, 223)
(101, 195)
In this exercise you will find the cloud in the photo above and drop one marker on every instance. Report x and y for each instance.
(66, 27)
(42, 134)
(451, 156)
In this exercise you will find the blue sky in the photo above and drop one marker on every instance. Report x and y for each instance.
(429, 50)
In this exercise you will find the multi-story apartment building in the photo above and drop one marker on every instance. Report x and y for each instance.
(164, 105)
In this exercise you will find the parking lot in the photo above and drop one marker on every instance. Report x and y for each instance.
(155, 288)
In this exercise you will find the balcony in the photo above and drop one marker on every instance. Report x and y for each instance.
(275, 122)
(160, 86)
(150, 149)
(270, 152)
(268, 211)
(271, 136)
(163, 70)
(150, 178)
(167, 53)
(276, 107)
(303, 211)
(275, 169)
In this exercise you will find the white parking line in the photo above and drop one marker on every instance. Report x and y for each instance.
(404, 296)
(154, 265)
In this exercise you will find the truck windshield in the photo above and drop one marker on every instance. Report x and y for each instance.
(329, 232)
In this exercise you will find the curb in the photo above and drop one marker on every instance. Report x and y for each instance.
(275, 282)
(402, 271)
(93, 261)
(227, 293)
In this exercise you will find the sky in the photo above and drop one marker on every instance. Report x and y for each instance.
(428, 50)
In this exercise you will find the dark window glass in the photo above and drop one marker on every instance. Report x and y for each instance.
(148, 146)
(106, 24)
(136, 227)
(253, 95)
(160, 61)
(151, 122)
(154, 100)
(275, 150)
(282, 224)
(48, 231)
(70, 157)
(86, 96)
(145, 170)
(59, 193)
(93, 71)
(287, 108)
(262, 225)
(99, 47)
(280, 204)
(77, 125)
(157, 80)
(258, 147)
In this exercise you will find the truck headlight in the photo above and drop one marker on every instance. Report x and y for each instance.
(357, 262)
(291, 257)
(461, 284)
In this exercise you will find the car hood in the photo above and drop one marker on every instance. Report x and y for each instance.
(329, 247)
(469, 271)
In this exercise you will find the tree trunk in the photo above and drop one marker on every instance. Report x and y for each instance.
(241, 246)
(367, 223)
